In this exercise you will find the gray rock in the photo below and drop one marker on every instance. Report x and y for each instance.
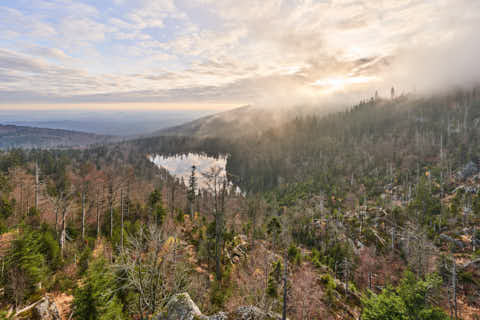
(46, 310)
(219, 316)
(458, 243)
(253, 313)
(468, 170)
(445, 237)
(181, 307)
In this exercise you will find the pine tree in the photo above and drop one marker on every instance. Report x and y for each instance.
(97, 299)
(25, 266)
(191, 193)
(156, 205)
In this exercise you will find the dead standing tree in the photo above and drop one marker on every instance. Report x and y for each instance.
(61, 197)
(115, 181)
(217, 183)
(149, 266)
(84, 187)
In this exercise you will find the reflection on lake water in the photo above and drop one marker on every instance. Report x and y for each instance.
(181, 165)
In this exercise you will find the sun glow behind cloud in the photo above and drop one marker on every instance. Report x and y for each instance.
(332, 84)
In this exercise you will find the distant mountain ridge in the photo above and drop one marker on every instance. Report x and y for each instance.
(12, 136)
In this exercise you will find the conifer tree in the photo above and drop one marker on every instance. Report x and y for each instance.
(191, 193)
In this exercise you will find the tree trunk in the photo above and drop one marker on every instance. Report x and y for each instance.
(218, 240)
(346, 276)
(370, 280)
(172, 199)
(121, 210)
(393, 239)
(111, 219)
(285, 274)
(36, 185)
(83, 215)
(219, 229)
(454, 287)
(98, 214)
(56, 220)
(63, 232)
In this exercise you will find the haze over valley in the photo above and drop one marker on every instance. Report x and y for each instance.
(104, 122)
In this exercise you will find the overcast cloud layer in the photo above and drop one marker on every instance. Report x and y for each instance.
(251, 51)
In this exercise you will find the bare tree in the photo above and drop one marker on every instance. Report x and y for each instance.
(149, 266)
(217, 185)
(37, 184)
(453, 302)
(62, 201)
(306, 294)
(285, 286)
(99, 206)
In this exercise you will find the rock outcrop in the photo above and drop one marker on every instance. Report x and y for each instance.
(239, 251)
(468, 170)
(181, 307)
(46, 310)
(252, 313)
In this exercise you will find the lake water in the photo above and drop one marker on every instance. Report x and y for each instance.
(181, 165)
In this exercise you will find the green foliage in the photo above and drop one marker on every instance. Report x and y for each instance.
(6, 208)
(219, 295)
(11, 159)
(97, 298)
(192, 188)
(83, 261)
(294, 254)
(424, 201)
(414, 293)
(222, 291)
(407, 301)
(33, 212)
(159, 214)
(5, 186)
(273, 227)
(26, 265)
(154, 198)
(335, 254)
(274, 279)
(63, 282)
(315, 258)
(385, 306)
(330, 288)
(180, 217)
(50, 248)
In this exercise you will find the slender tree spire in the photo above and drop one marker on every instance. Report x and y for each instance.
(285, 288)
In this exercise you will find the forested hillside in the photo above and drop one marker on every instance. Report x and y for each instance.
(240, 122)
(12, 136)
(373, 212)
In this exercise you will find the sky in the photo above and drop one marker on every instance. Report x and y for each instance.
(224, 53)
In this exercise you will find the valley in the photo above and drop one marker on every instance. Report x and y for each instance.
(354, 210)
(239, 160)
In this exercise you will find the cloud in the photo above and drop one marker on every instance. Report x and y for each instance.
(267, 52)
(50, 53)
(16, 23)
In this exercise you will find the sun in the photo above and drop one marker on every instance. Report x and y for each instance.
(339, 83)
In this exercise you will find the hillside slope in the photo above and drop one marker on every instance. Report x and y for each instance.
(12, 136)
(236, 123)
